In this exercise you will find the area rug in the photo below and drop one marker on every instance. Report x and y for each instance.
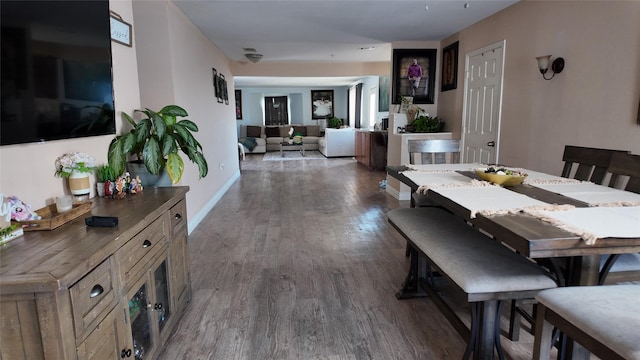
(292, 155)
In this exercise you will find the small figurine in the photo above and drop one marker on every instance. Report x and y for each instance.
(121, 188)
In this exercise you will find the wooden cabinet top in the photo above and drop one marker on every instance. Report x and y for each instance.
(41, 261)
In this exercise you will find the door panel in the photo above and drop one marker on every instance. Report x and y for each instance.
(483, 98)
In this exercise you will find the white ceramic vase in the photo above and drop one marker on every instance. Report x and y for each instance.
(79, 183)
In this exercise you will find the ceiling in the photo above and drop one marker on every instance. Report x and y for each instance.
(329, 30)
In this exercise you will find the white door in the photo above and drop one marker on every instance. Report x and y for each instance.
(483, 103)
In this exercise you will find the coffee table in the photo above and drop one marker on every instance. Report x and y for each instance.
(300, 147)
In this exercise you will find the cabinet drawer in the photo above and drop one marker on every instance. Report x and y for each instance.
(135, 255)
(93, 297)
(178, 218)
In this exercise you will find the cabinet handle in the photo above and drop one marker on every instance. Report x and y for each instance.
(125, 353)
(158, 306)
(146, 244)
(96, 290)
(178, 216)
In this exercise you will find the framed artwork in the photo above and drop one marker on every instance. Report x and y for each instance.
(449, 78)
(238, 104)
(321, 104)
(383, 93)
(120, 30)
(414, 74)
(638, 121)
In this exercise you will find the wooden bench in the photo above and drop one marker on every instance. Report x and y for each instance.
(604, 320)
(486, 271)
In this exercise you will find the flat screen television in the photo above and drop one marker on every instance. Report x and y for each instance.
(56, 70)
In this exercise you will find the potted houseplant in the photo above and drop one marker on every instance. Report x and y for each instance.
(427, 124)
(156, 141)
(106, 177)
(334, 123)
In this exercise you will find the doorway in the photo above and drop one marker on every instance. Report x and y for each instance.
(483, 104)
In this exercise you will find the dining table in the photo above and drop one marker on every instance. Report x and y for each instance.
(545, 217)
(565, 222)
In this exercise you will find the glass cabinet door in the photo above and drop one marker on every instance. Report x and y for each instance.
(162, 306)
(139, 314)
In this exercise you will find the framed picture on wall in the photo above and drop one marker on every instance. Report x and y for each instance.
(383, 93)
(321, 104)
(414, 74)
(449, 78)
(238, 104)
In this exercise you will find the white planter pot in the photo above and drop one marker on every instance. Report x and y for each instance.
(79, 183)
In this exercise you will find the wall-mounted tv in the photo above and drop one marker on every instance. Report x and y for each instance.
(56, 70)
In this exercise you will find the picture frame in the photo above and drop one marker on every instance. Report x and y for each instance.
(403, 60)
(449, 78)
(321, 104)
(383, 93)
(120, 30)
(238, 94)
(217, 86)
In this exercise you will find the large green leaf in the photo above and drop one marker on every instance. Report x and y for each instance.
(203, 167)
(169, 145)
(188, 124)
(160, 126)
(152, 156)
(186, 139)
(173, 110)
(129, 119)
(143, 130)
(116, 156)
(129, 144)
(175, 167)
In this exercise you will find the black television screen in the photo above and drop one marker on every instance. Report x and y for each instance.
(56, 70)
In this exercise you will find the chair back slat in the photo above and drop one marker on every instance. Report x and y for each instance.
(434, 151)
(592, 163)
(625, 165)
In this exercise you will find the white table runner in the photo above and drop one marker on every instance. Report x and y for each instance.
(434, 180)
(594, 223)
(444, 167)
(491, 200)
(593, 194)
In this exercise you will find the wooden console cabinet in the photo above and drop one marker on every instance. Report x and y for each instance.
(371, 149)
(81, 292)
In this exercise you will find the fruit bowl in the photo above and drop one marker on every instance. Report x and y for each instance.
(501, 176)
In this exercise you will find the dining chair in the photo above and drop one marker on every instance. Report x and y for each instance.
(625, 174)
(587, 164)
(580, 163)
(431, 151)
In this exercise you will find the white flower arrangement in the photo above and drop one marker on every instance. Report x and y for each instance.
(76, 161)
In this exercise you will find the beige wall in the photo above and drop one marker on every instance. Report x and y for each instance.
(594, 102)
(175, 67)
(175, 61)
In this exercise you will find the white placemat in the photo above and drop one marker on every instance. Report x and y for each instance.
(593, 194)
(433, 180)
(444, 167)
(535, 177)
(595, 222)
(491, 200)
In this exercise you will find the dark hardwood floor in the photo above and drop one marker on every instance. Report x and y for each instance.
(297, 261)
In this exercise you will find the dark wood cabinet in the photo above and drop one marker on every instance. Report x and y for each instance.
(81, 292)
(371, 149)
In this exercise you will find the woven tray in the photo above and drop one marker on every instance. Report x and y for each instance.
(51, 219)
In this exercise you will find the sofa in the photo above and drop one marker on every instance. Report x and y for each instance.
(338, 142)
(268, 138)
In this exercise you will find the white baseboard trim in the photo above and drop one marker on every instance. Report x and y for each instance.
(404, 195)
(195, 220)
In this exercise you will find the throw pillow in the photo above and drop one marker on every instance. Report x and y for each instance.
(313, 130)
(284, 130)
(254, 131)
(272, 131)
(300, 130)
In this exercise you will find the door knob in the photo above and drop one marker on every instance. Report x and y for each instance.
(491, 143)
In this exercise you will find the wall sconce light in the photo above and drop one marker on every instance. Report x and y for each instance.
(556, 66)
